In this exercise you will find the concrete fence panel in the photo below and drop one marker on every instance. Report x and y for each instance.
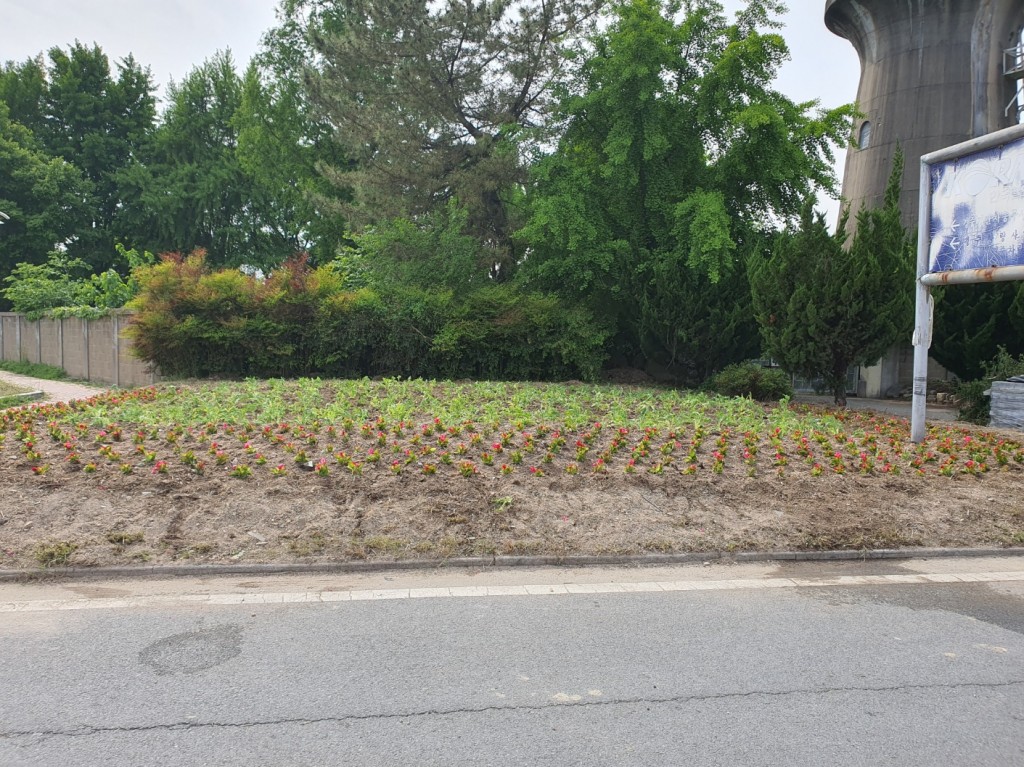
(49, 342)
(10, 336)
(102, 365)
(76, 347)
(91, 350)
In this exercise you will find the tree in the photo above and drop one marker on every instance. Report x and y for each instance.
(823, 307)
(973, 321)
(282, 139)
(193, 189)
(99, 124)
(43, 198)
(23, 90)
(433, 101)
(677, 157)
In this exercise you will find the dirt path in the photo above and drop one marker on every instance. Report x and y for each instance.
(53, 391)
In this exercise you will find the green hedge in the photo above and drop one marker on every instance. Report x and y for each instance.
(194, 322)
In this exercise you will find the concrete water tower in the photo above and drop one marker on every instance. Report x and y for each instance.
(933, 73)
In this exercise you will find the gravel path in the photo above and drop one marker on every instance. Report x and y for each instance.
(53, 391)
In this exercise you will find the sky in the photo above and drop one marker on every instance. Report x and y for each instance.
(172, 36)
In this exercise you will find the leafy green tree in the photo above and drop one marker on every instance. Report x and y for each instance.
(23, 90)
(193, 189)
(677, 157)
(78, 111)
(282, 140)
(823, 307)
(434, 102)
(42, 197)
(99, 123)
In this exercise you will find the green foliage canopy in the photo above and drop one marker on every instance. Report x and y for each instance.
(677, 155)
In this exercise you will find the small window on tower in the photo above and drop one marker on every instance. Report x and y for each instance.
(865, 135)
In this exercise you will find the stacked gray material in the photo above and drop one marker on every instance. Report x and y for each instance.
(1007, 408)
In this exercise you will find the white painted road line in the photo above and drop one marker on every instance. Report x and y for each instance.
(454, 592)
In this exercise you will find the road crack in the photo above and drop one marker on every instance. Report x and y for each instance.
(86, 731)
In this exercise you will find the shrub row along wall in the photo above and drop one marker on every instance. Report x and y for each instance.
(92, 350)
(194, 322)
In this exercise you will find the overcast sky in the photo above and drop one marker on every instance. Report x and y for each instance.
(172, 36)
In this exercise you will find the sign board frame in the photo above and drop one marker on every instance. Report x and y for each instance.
(927, 278)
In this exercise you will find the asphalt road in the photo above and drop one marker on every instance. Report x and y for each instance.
(713, 666)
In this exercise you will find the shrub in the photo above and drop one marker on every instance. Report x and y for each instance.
(751, 380)
(62, 287)
(503, 332)
(193, 322)
(975, 405)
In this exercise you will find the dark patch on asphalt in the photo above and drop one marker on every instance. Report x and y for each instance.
(974, 600)
(193, 651)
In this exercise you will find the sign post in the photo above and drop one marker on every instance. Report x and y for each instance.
(970, 230)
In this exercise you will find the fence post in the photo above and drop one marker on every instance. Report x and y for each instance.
(60, 340)
(39, 341)
(117, 352)
(3, 354)
(85, 339)
(17, 335)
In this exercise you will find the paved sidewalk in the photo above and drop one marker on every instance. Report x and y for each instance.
(53, 391)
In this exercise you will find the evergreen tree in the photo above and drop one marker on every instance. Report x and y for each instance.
(823, 307)
(434, 101)
(973, 321)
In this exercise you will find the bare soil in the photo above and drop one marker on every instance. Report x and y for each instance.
(68, 516)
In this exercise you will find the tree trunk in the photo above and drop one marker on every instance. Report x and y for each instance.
(839, 385)
(839, 393)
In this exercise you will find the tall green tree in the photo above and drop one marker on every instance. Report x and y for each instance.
(434, 101)
(823, 307)
(677, 157)
(193, 189)
(99, 122)
(43, 198)
(283, 140)
(23, 90)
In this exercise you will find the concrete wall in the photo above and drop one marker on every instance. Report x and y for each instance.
(931, 77)
(90, 350)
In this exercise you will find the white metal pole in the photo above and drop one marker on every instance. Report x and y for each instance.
(922, 310)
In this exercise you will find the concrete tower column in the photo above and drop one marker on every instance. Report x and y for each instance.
(931, 76)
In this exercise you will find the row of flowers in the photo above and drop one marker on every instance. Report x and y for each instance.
(875, 447)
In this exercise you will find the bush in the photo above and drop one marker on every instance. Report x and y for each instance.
(62, 287)
(750, 380)
(193, 322)
(503, 332)
(975, 405)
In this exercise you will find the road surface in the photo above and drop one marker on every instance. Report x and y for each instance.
(911, 663)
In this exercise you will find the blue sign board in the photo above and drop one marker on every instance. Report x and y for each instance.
(977, 210)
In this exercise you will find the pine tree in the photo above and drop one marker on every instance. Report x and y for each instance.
(823, 307)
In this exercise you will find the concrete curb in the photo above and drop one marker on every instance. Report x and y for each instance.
(28, 396)
(631, 560)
